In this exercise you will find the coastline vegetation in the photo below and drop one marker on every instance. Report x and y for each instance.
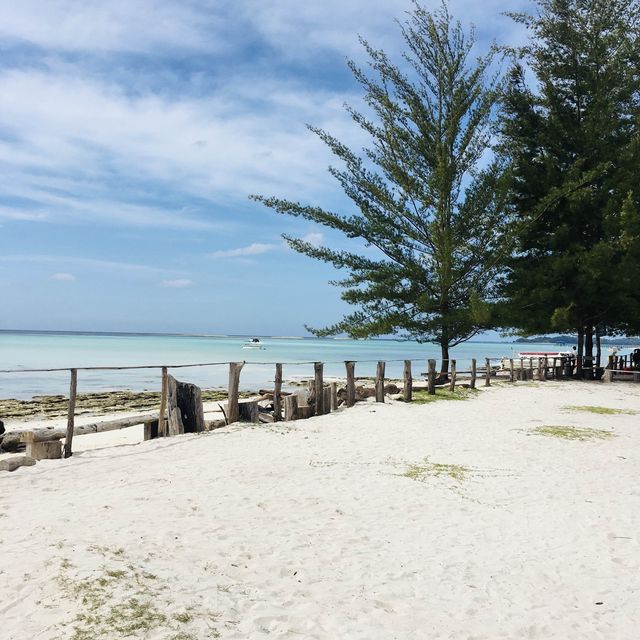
(573, 433)
(600, 410)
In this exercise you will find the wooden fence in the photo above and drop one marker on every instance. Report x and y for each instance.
(180, 402)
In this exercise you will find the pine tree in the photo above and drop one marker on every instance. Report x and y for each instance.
(425, 195)
(573, 137)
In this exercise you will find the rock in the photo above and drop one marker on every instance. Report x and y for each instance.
(391, 388)
(1, 427)
(11, 464)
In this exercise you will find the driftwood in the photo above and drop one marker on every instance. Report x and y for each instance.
(184, 407)
(11, 464)
(14, 440)
(248, 410)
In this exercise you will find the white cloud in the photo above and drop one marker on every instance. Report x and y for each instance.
(86, 263)
(63, 277)
(177, 284)
(254, 249)
(313, 238)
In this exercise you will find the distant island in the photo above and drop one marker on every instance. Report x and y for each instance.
(625, 341)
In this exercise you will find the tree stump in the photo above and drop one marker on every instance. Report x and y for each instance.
(184, 407)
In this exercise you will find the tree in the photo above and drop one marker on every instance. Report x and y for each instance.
(572, 142)
(426, 195)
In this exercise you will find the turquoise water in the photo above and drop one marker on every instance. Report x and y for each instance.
(47, 350)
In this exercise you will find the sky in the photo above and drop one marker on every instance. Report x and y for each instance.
(132, 134)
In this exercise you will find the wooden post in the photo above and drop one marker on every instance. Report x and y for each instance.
(431, 378)
(540, 370)
(380, 382)
(318, 386)
(487, 375)
(290, 407)
(234, 383)
(326, 400)
(151, 429)
(73, 388)
(408, 382)
(452, 384)
(512, 376)
(248, 411)
(472, 383)
(610, 363)
(334, 396)
(351, 383)
(277, 394)
(530, 368)
(162, 424)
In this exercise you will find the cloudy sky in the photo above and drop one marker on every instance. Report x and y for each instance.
(132, 133)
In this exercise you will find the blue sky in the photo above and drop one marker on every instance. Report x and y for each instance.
(133, 132)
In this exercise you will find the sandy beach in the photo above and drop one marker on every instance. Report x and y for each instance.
(441, 520)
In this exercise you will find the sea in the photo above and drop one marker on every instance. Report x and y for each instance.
(21, 350)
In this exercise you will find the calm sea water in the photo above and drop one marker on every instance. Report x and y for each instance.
(48, 350)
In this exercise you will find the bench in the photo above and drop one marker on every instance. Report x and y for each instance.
(617, 374)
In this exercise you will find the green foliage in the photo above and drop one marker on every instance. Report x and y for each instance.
(573, 143)
(422, 396)
(424, 197)
(600, 410)
(422, 472)
(573, 433)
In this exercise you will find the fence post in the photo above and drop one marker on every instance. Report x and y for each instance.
(512, 376)
(162, 426)
(233, 412)
(487, 375)
(277, 394)
(408, 381)
(540, 370)
(380, 382)
(431, 378)
(73, 388)
(472, 383)
(351, 383)
(334, 396)
(452, 384)
(318, 386)
(290, 407)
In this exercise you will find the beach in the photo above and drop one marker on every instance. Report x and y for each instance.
(451, 519)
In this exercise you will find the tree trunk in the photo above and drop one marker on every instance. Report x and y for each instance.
(588, 352)
(580, 352)
(444, 365)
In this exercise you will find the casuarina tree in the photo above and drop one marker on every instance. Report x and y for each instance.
(425, 196)
(570, 132)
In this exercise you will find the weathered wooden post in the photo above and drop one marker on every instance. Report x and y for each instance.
(431, 378)
(512, 376)
(452, 384)
(487, 375)
(277, 394)
(318, 386)
(234, 385)
(530, 368)
(408, 381)
(290, 407)
(351, 383)
(162, 423)
(334, 396)
(326, 400)
(540, 370)
(184, 408)
(610, 362)
(380, 381)
(472, 382)
(73, 388)
(521, 374)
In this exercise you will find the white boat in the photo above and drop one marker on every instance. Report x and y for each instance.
(253, 343)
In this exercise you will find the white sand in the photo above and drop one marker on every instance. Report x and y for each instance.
(310, 530)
